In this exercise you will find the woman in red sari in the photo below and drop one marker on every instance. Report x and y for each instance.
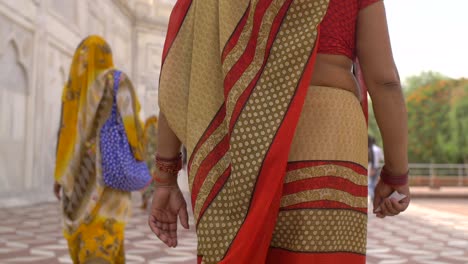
(262, 95)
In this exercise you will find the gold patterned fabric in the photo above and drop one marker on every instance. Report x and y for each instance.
(234, 86)
(92, 212)
(323, 213)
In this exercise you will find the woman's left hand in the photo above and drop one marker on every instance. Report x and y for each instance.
(168, 204)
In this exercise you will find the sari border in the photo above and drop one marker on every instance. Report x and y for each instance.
(234, 38)
(244, 98)
(318, 252)
(300, 164)
(306, 75)
(214, 192)
(177, 19)
(337, 205)
(210, 129)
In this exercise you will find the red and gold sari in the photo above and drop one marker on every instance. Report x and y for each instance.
(277, 169)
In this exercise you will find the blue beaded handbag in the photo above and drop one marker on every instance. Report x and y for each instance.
(120, 169)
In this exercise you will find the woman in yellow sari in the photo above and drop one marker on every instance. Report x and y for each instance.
(94, 215)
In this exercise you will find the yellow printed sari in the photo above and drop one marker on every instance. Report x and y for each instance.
(94, 215)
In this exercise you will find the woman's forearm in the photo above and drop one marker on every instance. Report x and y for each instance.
(390, 112)
(167, 142)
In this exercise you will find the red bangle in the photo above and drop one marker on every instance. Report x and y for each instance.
(171, 160)
(171, 166)
(393, 180)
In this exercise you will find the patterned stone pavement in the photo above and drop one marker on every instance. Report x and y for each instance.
(426, 233)
(431, 231)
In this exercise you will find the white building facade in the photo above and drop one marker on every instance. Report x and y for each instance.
(37, 42)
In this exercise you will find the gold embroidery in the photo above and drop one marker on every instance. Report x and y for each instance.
(326, 170)
(324, 194)
(321, 231)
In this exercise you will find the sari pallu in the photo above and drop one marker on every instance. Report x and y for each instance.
(234, 80)
(95, 215)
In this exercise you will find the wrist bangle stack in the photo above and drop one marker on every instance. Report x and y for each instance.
(170, 166)
(393, 180)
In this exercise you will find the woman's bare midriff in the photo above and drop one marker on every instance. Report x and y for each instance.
(334, 71)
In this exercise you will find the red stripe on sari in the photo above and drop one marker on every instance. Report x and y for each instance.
(279, 256)
(247, 57)
(235, 36)
(214, 191)
(175, 22)
(330, 182)
(217, 121)
(267, 194)
(323, 204)
(245, 95)
(207, 164)
(313, 163)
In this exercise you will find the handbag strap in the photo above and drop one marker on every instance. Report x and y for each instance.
(116, 77)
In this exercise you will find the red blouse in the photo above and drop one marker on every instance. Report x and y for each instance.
(338, 27)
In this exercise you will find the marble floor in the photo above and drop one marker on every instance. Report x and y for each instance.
(427, 233)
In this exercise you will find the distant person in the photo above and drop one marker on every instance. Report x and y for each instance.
(262, 95)
(376, 158)
(94, 215)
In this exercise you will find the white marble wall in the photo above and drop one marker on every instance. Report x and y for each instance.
(37, 41)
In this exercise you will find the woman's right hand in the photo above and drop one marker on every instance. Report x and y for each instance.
(390, 207)
(168, 204)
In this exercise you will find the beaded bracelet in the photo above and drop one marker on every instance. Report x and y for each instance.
(393, 180)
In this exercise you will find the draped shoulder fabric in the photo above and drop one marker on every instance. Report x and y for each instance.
(92, 211)
(92, 56)
(233, 83)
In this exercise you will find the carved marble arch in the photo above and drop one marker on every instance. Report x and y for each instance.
(13, 93)
(65, 10)
(13, 102)
(14, 73)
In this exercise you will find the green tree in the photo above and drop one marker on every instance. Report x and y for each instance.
(423, 79)
(457, 142)
(437, 121)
